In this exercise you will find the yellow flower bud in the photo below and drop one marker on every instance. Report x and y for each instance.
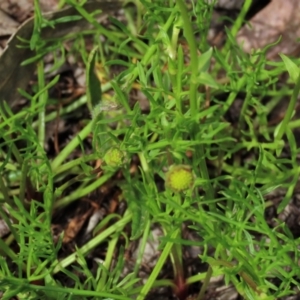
(114, 157)
(179, 178)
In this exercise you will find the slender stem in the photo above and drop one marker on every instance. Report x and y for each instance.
(240, 19)
(83, 191)
(246, 104)
(78, 161)
(188, 32)
(107, 263)
(42, 101)
(118, 226)
(176, 256)
(232, 96)
(289, 112)
(4, 191)
(142, 247)
(6, 250)
(23, 181)
(205, 283)
(71, 146)
(25, 285)
(164, 255)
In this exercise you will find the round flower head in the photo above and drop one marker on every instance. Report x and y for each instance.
(114, 157)
(179, 178)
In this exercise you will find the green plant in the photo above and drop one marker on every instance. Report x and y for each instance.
(226, 168)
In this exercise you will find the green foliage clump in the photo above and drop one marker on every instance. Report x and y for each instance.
(189, 91)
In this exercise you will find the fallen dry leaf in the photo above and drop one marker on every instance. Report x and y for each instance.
(278, 19)
(20, 10)
(14, 76)
(8, 25)
(75, 226)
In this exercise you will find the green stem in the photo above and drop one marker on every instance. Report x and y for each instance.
(24, 284)
(23, 181)
(107, 263)
(118, 226)
(205, 283)
(176, 254)
(246, 104)
(42, 101)
(289, 112)
(159, 265)
(4, 191)
(142, 247)
(240, 19)
(5, 250)
(232, 96)
(78, 161)
(188, 32)
(71, 146)
(204, 173)
(176, 257)
(83, 191)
